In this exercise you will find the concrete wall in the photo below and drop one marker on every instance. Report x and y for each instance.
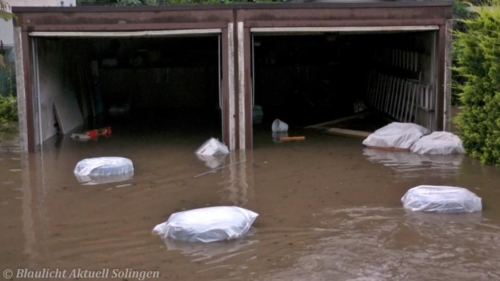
(51, 83)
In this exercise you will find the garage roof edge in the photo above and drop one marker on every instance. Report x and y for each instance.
(114, 9)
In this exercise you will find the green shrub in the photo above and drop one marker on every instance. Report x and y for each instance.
(8, 113)
(460, 12)
(478, 65)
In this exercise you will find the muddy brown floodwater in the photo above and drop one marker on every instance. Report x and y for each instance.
(329, 210)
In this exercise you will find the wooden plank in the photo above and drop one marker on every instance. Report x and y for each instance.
(67, 113)
(301, 138)
(347, 132)
(355, 116)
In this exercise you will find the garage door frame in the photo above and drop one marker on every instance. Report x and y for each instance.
(37, 100)
(299, 28)
(432, 16)
(236, 22)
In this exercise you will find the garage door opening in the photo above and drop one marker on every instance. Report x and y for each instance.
(167, 85)
(309, 79)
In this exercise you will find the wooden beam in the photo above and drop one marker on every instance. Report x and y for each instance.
(301, 138)
(355, 116)
(347, 132)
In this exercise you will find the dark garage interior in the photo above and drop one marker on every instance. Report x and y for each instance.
(305, 79)
(171, 85)
(301, 62)
(145, 85)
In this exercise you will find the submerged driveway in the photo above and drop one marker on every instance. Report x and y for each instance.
(329, 210)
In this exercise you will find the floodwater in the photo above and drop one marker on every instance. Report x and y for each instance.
(328, 210)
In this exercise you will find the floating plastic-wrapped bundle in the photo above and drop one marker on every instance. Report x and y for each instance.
(207, 225)
(441, 199)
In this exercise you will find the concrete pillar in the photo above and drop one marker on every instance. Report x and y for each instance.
(231, 92)
(242, 45)
(21, 90)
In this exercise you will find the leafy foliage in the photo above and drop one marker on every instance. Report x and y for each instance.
(478, 65)
(8, 113)
(460, 12)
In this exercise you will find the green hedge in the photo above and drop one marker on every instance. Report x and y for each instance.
(8, 113)
(478, 65)
(460, 12)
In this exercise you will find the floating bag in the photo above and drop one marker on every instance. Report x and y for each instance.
(441, 199)
(207, 225)
(104, 170)
(438, 143)
(104, 166)
(396, 135)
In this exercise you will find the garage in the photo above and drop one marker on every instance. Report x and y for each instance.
(153, 72)
(210, 68)
(311, 76)
(137, 83)
(313, 63)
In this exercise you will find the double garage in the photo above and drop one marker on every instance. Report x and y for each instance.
(181, 70)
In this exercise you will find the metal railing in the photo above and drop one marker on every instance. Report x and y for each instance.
(401, 98)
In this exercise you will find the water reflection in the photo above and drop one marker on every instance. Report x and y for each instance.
(95, 179)
(377, 243)
(34, 210)
(217, 251)
(237, 180)
(429, 224)
(409, 164)
(212, 161)
(10, 144)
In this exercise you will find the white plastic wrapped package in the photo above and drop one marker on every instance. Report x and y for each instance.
(441, 199)
(104, 166)
(207, 225)
(212, 147)
(438, 143)
(94, 180)
(396, 135)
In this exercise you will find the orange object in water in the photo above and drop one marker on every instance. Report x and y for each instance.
(301, 138)
(93, 134)
(104, 132)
